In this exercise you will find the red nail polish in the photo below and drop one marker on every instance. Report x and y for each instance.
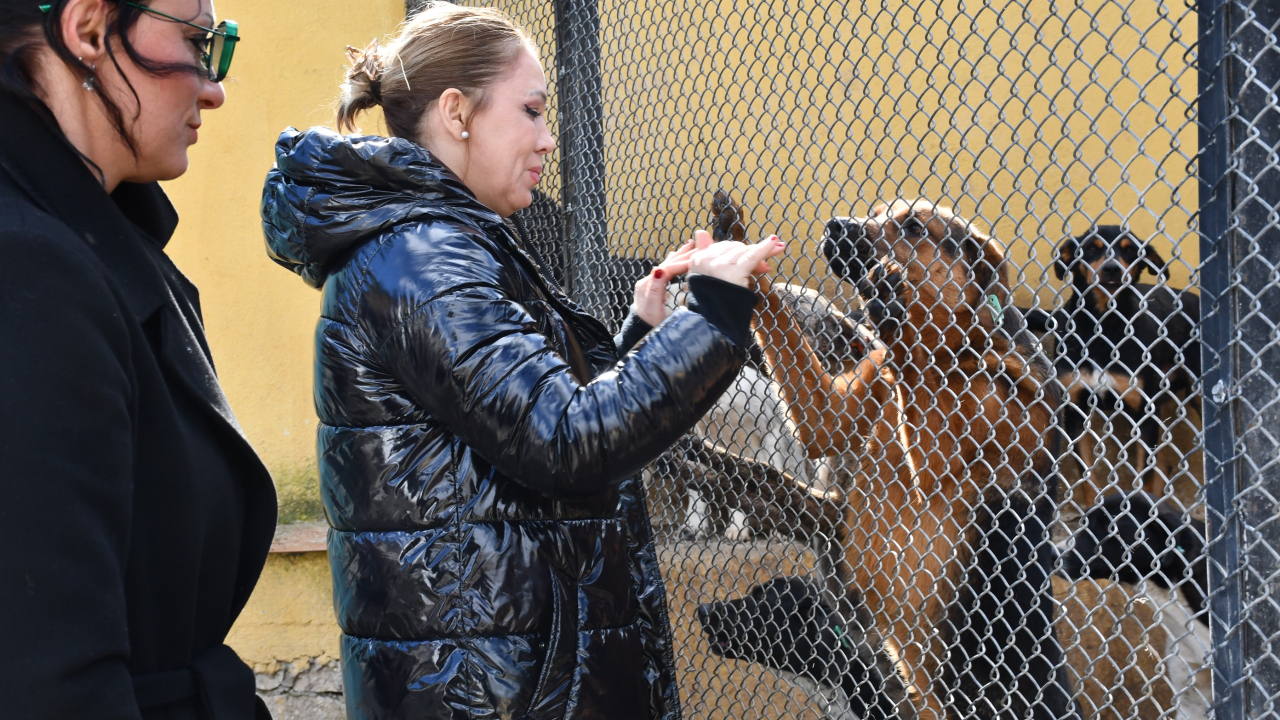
(658, 273)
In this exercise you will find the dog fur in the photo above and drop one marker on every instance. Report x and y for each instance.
(1131, 538)
(788, 624)
(1117, 648)
(749, 430)
(728, 221)
(752, 430)
(948, 540)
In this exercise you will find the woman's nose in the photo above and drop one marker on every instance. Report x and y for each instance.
(211, 96)
(547, 145)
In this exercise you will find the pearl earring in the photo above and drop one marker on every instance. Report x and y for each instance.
(465, 134)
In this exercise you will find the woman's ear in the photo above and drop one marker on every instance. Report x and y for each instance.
(453, 110)
(84, 29)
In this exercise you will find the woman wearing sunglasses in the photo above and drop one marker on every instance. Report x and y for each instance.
(135, 517)
(481, 436)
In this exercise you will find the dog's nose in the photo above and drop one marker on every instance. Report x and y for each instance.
(704, 614)
(838, 229)
(846, 230)
(1111, 272)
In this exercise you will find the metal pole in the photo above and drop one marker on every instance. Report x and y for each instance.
(1217, 321)
(1240, 251)
(1253, 75)
(582, 165)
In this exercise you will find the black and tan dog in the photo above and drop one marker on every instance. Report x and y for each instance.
(1130, 537)
(1122, 344)
(952, 416)
(788, 625)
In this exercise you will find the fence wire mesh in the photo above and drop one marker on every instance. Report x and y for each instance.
(965, 471)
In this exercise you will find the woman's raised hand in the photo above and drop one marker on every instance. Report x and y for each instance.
(733, 261)
(730, 261)
(651, 290)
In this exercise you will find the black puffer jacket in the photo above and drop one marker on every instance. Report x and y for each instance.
(491, 550)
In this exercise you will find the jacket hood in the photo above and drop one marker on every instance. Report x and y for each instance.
(329, 193)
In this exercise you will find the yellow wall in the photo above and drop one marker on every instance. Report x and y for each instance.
(290, 616)
(1022, 116)
(259, 316)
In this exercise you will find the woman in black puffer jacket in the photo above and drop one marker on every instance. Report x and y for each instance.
(491, 550)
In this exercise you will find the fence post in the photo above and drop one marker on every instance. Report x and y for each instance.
(581, 110)
(1215, 333)
(1240, 257)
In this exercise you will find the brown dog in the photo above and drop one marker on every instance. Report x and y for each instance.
(952, 410)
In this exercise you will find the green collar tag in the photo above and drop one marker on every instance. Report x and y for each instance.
(994, 303)
(843, 640)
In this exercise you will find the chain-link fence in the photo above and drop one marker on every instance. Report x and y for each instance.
(969, 470)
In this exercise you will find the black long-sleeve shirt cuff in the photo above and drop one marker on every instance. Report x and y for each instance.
(728, 307)
(633, 328)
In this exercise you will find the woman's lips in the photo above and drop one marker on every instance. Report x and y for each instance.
(535, 174)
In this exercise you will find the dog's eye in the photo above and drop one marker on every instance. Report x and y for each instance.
(912, 226)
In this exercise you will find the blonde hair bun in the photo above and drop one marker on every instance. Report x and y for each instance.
(361, 89)
(443, 46)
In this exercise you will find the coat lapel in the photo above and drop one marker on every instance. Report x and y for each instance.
(185, 354)
(118, 228)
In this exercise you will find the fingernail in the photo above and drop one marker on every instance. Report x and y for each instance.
(781, 244)
(658, 273)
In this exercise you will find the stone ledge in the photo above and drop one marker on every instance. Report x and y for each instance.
(309, 689)
(301, 537)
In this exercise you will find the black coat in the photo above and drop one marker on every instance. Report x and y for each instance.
(491, 550)
(136, 518)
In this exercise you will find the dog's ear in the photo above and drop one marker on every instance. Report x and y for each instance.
(719, 203)
(727, 220)
(1067, 252)
(739, 228)
(988, 270)
(1150, 260)
(987, 266)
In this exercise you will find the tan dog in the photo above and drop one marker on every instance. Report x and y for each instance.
(947, 529)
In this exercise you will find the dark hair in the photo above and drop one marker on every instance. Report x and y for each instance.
(24, 26)
(443, 46)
